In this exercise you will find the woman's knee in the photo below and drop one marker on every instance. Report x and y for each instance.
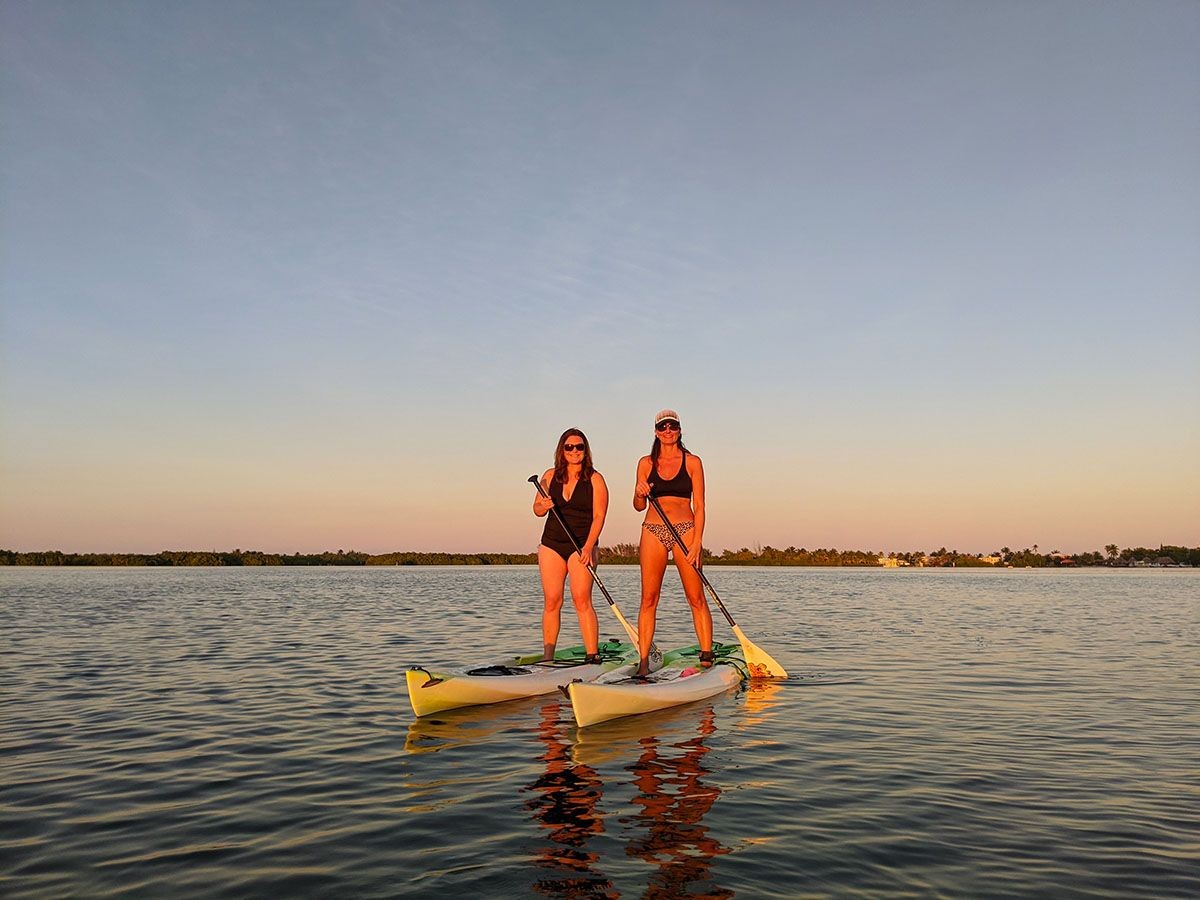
(582, 603)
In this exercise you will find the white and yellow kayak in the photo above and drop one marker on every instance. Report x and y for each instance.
(434, 690)
(680, 680)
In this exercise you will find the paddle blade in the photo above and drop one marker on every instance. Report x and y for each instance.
(656, 657)
(629, 629)
(760, 663)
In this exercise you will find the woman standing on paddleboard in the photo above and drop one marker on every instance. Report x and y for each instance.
(581, 496)
(675, 478)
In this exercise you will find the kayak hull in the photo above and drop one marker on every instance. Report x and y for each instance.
(435, 690)
(681, 680)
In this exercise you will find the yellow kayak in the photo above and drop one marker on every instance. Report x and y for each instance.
(434, 690)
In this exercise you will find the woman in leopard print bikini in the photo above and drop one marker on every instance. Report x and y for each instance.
(675, 478)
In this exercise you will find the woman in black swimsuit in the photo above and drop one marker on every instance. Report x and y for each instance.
(581, 496)
(675, 478)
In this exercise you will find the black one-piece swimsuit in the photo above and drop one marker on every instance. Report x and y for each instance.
(577, 512)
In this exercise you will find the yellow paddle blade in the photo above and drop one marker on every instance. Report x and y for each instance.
(629, 629)
(760, 663)
(656, 657)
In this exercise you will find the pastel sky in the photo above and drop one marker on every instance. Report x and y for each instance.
(320, 275)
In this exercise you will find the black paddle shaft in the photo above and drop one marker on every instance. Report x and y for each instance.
(699, 571)
(537, 482)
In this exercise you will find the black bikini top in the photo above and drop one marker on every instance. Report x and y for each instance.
(679, 486)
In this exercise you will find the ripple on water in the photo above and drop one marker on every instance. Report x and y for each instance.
(213, 732)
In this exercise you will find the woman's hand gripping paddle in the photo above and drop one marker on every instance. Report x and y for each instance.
(655, 653)
(759, 661)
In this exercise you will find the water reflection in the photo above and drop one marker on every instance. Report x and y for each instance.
(472, 726)
(454, 728)
(757, 700)
(660, 756)
(674, 800)
(564, 799)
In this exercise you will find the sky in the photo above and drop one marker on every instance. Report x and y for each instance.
(318, 276)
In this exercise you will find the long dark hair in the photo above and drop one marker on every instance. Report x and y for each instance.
(560, 457)
(657, 448)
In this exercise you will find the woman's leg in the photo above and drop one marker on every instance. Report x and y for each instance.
(652, 556)
(581, 596)
(693, 589)
(553, 569)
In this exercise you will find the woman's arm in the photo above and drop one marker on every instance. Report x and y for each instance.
(641, 485)
(599, 511)
(541, 505)
(696, 470)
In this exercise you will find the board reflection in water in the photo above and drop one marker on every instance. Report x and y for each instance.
(673, 800)
(662, 797)
(564, 800)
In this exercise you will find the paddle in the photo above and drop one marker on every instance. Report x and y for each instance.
(629, 629)
(759, 661)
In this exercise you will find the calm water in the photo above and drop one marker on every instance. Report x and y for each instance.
(245, 732)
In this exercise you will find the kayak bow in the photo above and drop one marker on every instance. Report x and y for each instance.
(432, 691)
(680, 680)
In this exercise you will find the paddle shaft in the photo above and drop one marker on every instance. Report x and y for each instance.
(758, 661)
(699, 571)
(536, 482)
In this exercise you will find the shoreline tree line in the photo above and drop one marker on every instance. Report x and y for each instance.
(626, 554)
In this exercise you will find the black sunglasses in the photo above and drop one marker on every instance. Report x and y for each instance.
(569, 447)
(667, 426)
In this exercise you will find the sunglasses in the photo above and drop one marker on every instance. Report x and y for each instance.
(569, 448)
(667, 426)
